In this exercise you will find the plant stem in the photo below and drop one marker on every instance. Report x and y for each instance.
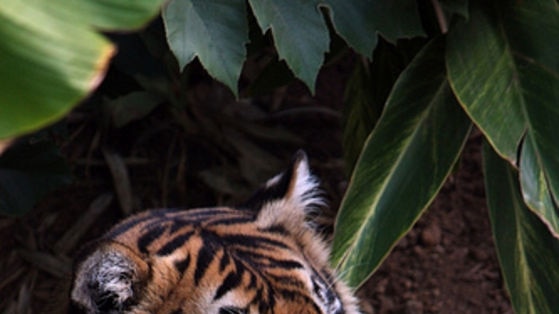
(441, 18)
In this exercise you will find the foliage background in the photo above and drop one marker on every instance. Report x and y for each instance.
(408, 110)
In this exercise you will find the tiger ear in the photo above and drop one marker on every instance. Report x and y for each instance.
(108, 280)
(291, 193)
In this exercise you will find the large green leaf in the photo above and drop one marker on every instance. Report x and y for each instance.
(504, 69)
(359, 21)
(403, 165)
(499, 62)
(215, 31)
(300, 34)
(105, 15)
(528, 253)
(51, 56)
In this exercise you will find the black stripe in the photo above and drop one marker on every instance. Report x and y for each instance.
(147, 238)
(174, 244)
(205, 256)
(179, 223)
(287, 281)
(133, 221)
(252, 241)
(277, 229)
(230, 282)
(263, 260)
(231, 221)
(224, 261)
(285, 264)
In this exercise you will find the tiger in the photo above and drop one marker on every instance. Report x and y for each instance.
(264, 256)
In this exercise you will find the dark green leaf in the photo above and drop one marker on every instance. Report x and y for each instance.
(504, 69)
(300, 34)
(528, 253)
(359, 21)
(410, 153)
(214, 31)
(353, 21)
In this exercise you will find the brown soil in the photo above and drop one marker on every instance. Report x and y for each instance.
(446, 264)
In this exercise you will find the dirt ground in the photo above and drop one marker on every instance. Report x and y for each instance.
(446, 264)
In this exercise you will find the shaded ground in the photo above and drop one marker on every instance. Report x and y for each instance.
(446, 264)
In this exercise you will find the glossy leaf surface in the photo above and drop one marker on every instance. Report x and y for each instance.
(404, 163)
(504, 70)
(528, 253)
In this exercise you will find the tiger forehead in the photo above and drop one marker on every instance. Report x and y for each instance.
(167, 230)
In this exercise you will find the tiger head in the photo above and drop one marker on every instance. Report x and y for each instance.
(261, 257)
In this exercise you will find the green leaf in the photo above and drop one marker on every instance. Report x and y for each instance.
(402, 166)
(352, 21)
(215, 31)
(528, 253)
(365, 95)
(300, 34)
(361, 112)
(105, 15)
(541, 90)
(51, 57)
(504, 69)
(535, 190)
(359, 21)
(27, 172)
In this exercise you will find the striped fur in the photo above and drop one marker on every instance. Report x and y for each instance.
(259, 258)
